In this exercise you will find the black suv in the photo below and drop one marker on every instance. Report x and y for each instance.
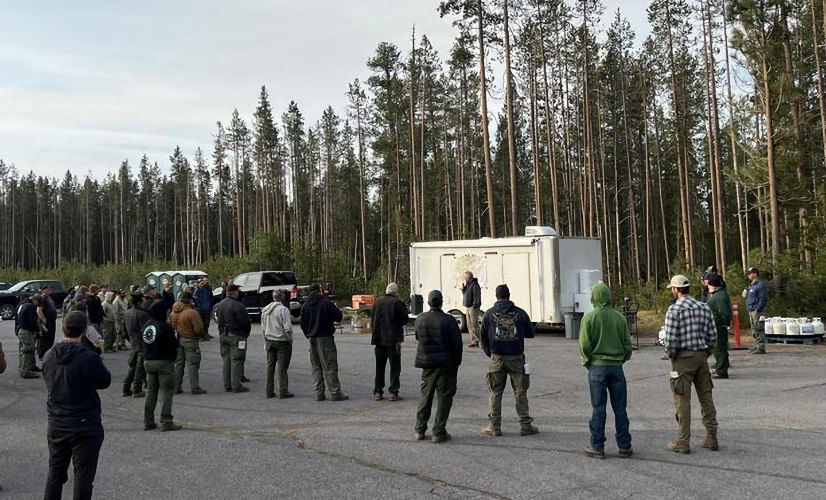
(10, 298)
(257, 287)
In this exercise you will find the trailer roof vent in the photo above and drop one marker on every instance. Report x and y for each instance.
(540, 231)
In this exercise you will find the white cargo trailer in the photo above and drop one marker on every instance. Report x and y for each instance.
(547, 275)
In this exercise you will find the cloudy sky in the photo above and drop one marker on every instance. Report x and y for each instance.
(88, 83)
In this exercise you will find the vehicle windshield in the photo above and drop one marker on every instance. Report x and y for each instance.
(278, 279)
(19, 286)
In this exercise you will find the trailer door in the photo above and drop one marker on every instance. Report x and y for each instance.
(516, 273)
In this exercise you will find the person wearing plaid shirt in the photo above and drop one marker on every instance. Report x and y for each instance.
(690, 334)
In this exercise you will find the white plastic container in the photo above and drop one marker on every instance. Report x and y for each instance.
(779, 326)
(792, 327)
(817, 326)
(806, 327)
(768, 325)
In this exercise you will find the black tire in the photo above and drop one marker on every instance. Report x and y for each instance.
(461, 319)
(7, 311)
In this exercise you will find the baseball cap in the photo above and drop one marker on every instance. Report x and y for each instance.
(715, 280)
(146, 289)
(711, 269)
(679, 281)
(753, 270)
(75, 323)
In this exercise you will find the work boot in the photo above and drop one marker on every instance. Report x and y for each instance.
(198, 391)
(626, 453)
(757, 350)
(320, 397)
(442, 438)
(594, 453)
(241, 389)
(420, 436)
(473, 344)
(30, 375)
(710, 442)
(677, 448)
(179, 391)
(286, 395)
(244, 378)
(138, 394)
(395, 397)
(490, 430)
(340, 396)
(171, 427)
(150, 426)
(528, 430)
(377, 396)
(720, 375)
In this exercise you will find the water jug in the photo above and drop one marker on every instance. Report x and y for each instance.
(806, 327)
(779, 326)
(817, 326)
(792, 327)
(768, 325)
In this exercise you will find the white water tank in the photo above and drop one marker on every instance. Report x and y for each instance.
(539, 231)
(792, 327)
(817, 326)
(779, 326)
(806, 327)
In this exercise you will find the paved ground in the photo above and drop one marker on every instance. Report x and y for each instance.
(772, 416)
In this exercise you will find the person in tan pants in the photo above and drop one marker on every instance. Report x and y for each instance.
(473, 301)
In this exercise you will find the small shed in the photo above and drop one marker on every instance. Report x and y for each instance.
(180, 279)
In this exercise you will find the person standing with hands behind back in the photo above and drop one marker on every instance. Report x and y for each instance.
(473, 301)
(160, 349)
(756, 297)
(389, 317)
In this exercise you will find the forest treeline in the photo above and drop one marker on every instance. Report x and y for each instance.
(702, 144)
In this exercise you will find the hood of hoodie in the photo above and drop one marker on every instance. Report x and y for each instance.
(314, 298)
(600, 295)
(502, 306)
(178, 307)
(64, 352)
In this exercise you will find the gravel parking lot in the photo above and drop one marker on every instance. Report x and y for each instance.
(772, 414)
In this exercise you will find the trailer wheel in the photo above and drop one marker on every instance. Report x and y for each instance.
(460, 319)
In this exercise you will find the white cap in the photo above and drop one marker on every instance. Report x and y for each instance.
(679, 281)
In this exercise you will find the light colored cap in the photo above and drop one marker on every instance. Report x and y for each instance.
(392, 288)
(679, 281)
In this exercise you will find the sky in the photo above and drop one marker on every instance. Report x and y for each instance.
(88, 83)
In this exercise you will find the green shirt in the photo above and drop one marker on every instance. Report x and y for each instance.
(603, 335)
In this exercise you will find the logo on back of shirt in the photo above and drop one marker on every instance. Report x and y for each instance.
(150, 333)
(505, 327)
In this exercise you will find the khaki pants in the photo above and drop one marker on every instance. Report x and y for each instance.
(757, 330)
(324, 360)
(500, 368)
(691, 367)
(189, 360)
(472, 324)
(279, 353)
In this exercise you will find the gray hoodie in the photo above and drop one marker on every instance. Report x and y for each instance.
(277, 322)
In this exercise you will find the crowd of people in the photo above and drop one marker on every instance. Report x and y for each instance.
(164, 335)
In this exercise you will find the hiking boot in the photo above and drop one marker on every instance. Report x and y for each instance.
(473, 344)
(139, 394)
(490, 430)
(198, 391)
(179, 391)
(528, 430)
(442, 438)
(270, 396)
(395, 397)
(664, 357)
(340, 396)
(244, 378)
(227, 389)
(677, 448)
(377, 397)
(710, 442)
(594, 453)
(30, 375)
(720, 375)
(286, 395)
(171, 427)
(320, 397)
(626, 453)
(241, 389)
(150, 426)
(757, 350)
(420, 436)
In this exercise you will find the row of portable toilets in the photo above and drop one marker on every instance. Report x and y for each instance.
(793, 326)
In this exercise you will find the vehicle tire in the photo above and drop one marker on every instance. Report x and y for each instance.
(7, 311)
(461, 319)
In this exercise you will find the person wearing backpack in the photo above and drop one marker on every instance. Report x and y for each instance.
(504, 330)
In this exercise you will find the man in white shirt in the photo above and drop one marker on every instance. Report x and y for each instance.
(278, 337)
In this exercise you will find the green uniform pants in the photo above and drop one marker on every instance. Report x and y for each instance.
(108, 333)
(441, 383)
(136, 376)
(279, 353)
(160, 375)
(499, 370)
(120, 335)
(28, 346)
(233, 354)
(324, 360)
(189, 358)
(721, 364)
(757, 330)
(691, 367)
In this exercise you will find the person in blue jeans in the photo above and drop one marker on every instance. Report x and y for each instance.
(605, 344)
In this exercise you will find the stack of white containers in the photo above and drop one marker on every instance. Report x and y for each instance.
(793, 326)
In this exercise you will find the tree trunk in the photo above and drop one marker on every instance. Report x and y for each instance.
(509, 117)
(483, 97)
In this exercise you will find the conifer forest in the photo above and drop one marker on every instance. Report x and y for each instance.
(703, 143)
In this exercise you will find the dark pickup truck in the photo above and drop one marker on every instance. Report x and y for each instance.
(257, 287)
(11, 297)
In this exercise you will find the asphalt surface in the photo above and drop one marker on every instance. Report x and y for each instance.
(772, 415)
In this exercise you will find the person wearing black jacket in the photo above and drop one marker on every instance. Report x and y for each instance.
(472, 299)
(73, 375)
(439, 354)
(233, 330)
(318, 319)
(28, 331)
(134, 318)
(94, 310)
(50, 313)
(160, 346)
(389, 317)
(504, 330)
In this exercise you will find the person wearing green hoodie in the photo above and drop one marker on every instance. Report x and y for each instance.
(720, 304)
(604, 345)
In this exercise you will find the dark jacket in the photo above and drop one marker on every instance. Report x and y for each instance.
(505, 328)
(233, 318)
(318, 317)
(720, 305)
(135, 318)
(389, 318)
(472, 293)
(49, 311)
(27, 318)
(94, 309)
(440, 341)
(203, 299)
(73, 375)
(757, 296)
(159, 341)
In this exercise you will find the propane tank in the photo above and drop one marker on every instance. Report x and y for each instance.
(806, 327)
(817, 326)
(779, 326)
(792, 327)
